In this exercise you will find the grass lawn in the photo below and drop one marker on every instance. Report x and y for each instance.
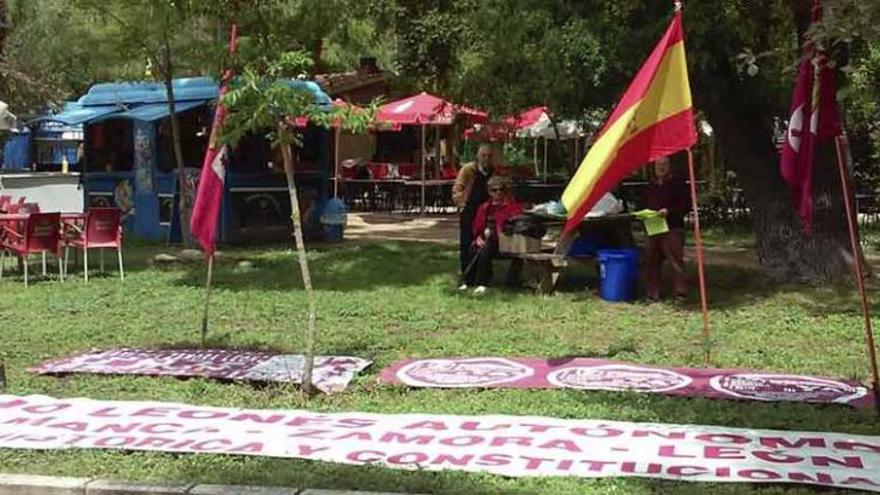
(391, 300)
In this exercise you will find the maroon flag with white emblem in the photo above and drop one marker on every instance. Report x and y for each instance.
(209, 198)
(814, 119)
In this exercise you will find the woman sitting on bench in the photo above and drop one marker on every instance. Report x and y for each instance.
(488, 224)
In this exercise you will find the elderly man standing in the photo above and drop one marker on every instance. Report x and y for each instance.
(469, 192)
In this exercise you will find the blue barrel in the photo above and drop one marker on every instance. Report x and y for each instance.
(333, 233)
(333, 218)
(618, 274)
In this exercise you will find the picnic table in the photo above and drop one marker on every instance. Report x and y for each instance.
(551, 263)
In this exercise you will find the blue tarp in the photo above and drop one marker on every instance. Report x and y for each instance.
(148, 101)
(16, 151)
(152, 112)
(136, 93)
(74, 114)
(186, 89)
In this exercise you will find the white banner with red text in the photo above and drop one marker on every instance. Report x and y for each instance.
(503, 445)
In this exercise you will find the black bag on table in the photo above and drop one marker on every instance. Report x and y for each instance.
(525, 225)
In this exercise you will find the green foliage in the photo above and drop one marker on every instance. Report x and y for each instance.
(55, 51)
(431, 38)
(530, 53)
(173, 38)
(265, 99)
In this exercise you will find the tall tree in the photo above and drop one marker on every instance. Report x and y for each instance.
(54, 51)
(741, 55)
(162, 32)
(431, 36)
(266, 100)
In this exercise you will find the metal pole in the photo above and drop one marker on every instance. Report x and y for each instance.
(859, 273)
(438, 164)
(545, 159)
(208, 280)
(336, 163)
(698, 240)
(423, 169)
(535, 156)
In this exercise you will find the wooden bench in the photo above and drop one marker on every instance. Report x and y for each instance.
(550, 266)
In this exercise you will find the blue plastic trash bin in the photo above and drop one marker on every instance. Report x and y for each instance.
(618, 274)
(333, 219)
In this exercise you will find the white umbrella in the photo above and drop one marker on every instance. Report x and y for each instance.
(543, 128)
(7, 120)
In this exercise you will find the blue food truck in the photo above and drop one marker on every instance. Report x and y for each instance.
(128, 160)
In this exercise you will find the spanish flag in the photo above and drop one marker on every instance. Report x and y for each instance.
(653, 119)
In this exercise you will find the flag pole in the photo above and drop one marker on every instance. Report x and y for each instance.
(698, 240)
(859, 273)
(208, 280)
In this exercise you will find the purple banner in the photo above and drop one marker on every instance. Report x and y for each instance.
(599, 374)
(331, 373)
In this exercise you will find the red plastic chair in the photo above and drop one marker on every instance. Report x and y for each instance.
(40, 234)
(379, 171)
(5, 201)
(28, 208)
(15, 206)
(406, 170)
(101, 229)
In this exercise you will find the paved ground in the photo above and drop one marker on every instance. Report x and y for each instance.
(18, 484)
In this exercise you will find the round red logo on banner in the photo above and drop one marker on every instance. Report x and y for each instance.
(756, 386)
(618, 377)
(460, 373)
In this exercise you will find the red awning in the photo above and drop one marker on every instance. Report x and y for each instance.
(426, 109)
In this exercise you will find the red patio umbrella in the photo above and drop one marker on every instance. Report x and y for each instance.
(526, 118)
(501, 131)
(423, 110)
(427, 109)
(303, 122)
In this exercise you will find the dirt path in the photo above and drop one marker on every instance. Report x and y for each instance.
(400, 227)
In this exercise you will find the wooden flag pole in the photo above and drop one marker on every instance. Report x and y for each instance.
(859, 272)
(698, 240)
(208, 281)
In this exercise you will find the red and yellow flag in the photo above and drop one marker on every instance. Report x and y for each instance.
(654, 119)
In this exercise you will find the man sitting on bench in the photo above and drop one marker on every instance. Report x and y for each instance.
(488, 224)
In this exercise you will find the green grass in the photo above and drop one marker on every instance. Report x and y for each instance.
(388, 301)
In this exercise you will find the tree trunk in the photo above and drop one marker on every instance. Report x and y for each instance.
(184, 205)
(741, 109)
(317, 55)
(295, 217)
(3, 26)
(783, 248)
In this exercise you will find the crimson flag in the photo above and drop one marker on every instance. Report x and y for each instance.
(814, 118)
(209, 198)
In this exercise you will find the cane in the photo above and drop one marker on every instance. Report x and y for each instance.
(476, 256)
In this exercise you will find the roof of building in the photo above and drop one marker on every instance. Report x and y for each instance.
(340, 82)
